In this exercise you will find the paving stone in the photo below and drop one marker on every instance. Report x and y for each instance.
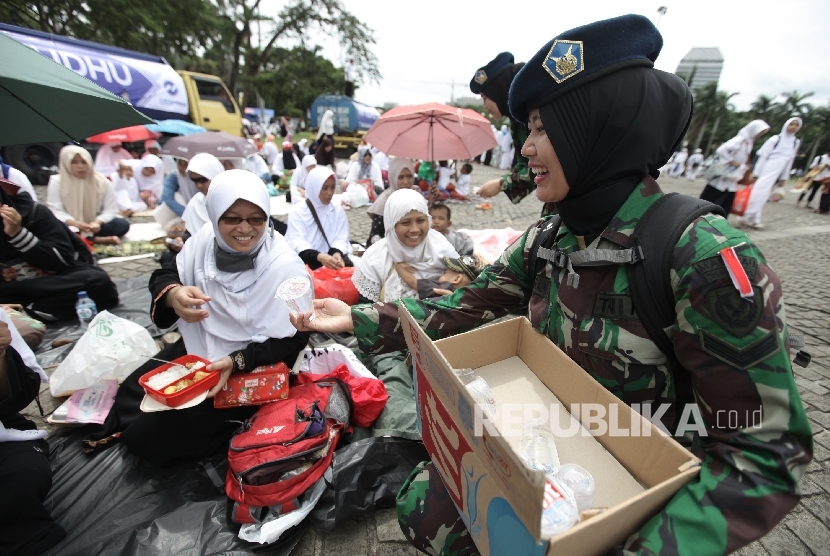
(387, 526)
(819, 506)
(307, 544)
(810, 531)
(396, 549)
(823, 439)
(821, 417)
(821, 403)
(814, 387)
(820, 453)
(783, 542)
(821, 478)
(752, 549)
(809, 487)
(347, 539)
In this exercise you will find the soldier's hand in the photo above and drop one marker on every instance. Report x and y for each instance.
(490, 188)
(330, 315)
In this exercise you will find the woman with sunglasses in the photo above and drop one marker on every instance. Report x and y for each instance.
(220, 292)
(201, 169)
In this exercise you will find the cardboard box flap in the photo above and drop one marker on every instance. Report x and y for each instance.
(517, 483)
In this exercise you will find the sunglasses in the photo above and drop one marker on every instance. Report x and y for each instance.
(236, 220)
(199, 180)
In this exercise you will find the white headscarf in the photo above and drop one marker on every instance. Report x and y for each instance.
(303, 232)
(195, 213)
(106, 159)
(788, 140)
(242, 308)
(376, 274)
(152, 183)
(396, 166)
(186, 186)
(753, 128)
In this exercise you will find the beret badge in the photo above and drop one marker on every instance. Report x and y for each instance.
(564, 60)
(480, 77)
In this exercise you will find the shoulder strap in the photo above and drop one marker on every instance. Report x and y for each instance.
(545, 239)
(648, 279)
(317, 221)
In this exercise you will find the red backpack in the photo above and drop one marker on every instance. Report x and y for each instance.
(285, 448)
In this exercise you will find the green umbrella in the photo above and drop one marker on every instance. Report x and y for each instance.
(42, 101)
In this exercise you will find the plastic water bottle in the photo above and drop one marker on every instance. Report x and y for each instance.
(538, 450)
(85, 308)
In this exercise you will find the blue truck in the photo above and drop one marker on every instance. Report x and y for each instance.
(352, 119)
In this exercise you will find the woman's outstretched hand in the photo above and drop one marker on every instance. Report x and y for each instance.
(330, 315)
(186, 301)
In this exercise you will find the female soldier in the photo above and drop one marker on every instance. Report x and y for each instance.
(602, 121)
(492, 82)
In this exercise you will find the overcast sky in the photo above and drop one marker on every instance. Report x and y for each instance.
(425, 45)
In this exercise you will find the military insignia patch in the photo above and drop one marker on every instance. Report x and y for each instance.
(480, 77)
(742, 358)
(736, 315)
(565, 59)
(714, 269)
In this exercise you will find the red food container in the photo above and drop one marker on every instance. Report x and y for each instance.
(186, 394)
(260, 386)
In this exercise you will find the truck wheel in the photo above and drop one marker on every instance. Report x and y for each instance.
(34, 160)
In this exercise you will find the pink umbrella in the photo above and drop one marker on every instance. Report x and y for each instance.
(432, 132)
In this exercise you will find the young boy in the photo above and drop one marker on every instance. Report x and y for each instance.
(461, 189)
(441, 222)
(460, 272)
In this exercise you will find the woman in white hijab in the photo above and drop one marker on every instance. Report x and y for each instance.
(505, 140)
(107, 157)
(401, 176)
(775, 160)
(364, 168)
(734, 155)
(126, 188)
(409, 239)
(298, 179)
(150, 178)
(326, 125)
(83, 198)
(221, 295)
(326, 244)
(201, 169)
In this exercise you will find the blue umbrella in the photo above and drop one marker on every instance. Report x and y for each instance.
(175, 127)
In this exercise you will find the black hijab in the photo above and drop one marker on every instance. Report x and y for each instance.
(498, 87)
(609, 134)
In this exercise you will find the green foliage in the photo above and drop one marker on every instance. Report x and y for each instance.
(291, 79)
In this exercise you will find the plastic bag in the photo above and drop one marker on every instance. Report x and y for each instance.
(368, 394)
(111, 348)
(334, 283)
(741, 201)
(323, 360)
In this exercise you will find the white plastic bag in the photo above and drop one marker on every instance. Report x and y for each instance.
(111, 348)
(323, 360)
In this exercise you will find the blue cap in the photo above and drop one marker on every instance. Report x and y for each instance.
(579, 56)
(485, 75)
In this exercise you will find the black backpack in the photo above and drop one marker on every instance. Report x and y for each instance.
(650, 261)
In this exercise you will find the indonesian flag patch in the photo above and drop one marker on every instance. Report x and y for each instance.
(737, 273)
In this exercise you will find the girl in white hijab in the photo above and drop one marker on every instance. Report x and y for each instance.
(298, 179)
(401, 176)
(326, 125)
(81, 197)
(775, 160)
(107, 157)
(150, 178)
(221, 294)
(126, 188)
(201, 169)
(327, 246)
(735, 155)
(409, 239)
(364, 168)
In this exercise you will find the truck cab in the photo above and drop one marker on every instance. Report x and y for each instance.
(212, 106)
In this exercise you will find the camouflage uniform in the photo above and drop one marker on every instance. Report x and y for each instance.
(730, 354)
(518, 184)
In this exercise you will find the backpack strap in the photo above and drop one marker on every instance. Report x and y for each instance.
(317, 221)
(544, 240)
(656, 235)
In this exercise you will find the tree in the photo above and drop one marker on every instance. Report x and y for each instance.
(762, 108)
(794, 104)
(296, 21)
(292, 79)
(710, 106)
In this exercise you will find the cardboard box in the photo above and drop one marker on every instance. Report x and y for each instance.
(499, 498)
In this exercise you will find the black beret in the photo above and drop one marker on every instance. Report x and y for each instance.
(484, 76)
(581, 55)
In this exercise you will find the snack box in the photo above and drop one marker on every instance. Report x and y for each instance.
(262, 385)
(637, 468)
(187, 394)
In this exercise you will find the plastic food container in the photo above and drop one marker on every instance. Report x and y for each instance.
(186, 394)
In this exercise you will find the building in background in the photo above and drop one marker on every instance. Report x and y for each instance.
(701, 66)
(468, 101)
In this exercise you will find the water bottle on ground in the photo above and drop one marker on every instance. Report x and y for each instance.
(538, 449)
(85, 308)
